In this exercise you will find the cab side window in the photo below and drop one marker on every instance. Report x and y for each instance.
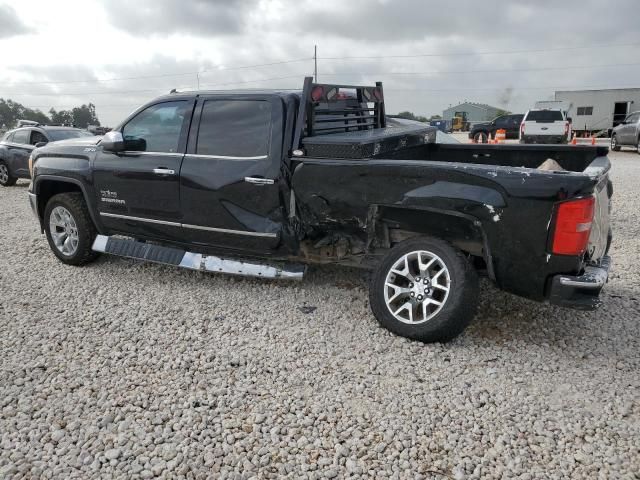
(37, 137)
(501, 122)
(157, 128)
(235, 128)
(21, 137)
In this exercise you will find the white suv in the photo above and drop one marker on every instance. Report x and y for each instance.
(545, 125)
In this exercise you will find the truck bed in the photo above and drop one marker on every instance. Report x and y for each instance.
(572, 158)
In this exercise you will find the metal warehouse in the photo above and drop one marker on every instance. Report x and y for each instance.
(472, 112)
(599, 110)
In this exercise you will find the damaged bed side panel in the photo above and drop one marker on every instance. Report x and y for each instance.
(494, 212)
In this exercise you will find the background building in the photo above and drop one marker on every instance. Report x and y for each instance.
(599, 110)
(472, 112)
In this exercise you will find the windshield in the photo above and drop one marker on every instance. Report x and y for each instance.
(56, 135)
(544, 116)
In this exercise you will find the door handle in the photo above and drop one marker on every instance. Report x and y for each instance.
(259, 180)
(164, 171)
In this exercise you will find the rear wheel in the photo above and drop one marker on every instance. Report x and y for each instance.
(69, 229)
(6, 179)
(481, 137)
(424, 289)
(638, 145)
(615, 146)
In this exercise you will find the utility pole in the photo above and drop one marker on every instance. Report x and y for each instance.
(315, 63)
(198, 80)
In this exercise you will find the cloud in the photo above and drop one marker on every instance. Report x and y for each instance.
(12, 25)
(192, 17)
(428, 56)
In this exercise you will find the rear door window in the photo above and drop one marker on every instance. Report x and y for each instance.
(501, 122)
(21, 137)
(235, 129)
(545, 116)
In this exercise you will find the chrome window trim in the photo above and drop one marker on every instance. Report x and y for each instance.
(161, 154)
(194, 227)
(226, 157)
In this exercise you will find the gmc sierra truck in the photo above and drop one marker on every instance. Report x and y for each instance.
(263, 183)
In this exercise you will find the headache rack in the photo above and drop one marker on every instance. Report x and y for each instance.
(330, 108)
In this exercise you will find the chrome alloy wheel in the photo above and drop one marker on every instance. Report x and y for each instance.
(64, 231)
(4, 173)
(417, 287)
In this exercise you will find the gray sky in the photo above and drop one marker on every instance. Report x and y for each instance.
(119, 54)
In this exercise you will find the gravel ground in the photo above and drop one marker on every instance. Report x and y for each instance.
(123, 369)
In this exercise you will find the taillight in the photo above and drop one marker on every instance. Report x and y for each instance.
(317, 93)
(566, 128)
(573, 226)
(522, 129)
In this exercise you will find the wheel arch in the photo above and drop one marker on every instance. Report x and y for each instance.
(396, 224)
(46, 186)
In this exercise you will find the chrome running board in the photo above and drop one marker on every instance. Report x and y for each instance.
(194, 261)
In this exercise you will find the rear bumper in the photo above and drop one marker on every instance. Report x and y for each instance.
(543, 139)
(580, 292)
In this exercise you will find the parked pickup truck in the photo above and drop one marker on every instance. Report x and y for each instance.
(264, 182)
(545, 125)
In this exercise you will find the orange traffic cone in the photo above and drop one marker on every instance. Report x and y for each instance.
(593, 140)
(574, 141)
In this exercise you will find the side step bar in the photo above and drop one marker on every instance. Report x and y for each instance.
(193, 261)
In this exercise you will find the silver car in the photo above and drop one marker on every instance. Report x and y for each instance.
(627, 133)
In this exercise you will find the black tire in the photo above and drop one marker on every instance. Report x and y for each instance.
(481, 137)
(638, 145)
(86, 231)
(6, 178)
(458, 308)
(615, 146)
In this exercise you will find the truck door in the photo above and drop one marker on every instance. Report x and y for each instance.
(19, 151)
(138, 190)
(229, 179)
(626, 133)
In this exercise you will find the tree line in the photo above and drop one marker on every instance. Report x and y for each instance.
(417, 118)
(81, 117)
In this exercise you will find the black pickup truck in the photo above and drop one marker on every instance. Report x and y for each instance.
(264, 182)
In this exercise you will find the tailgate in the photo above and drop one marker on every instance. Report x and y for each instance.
(544, 128)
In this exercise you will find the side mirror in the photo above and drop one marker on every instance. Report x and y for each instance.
(112, 142)
(40, 144)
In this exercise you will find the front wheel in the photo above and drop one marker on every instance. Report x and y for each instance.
(6, 179)
(424, 289)
(69, 229)
(615, 146)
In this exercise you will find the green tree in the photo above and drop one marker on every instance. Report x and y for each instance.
(11, 112)
(61, 117)
(411, 116)
(85, 115)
